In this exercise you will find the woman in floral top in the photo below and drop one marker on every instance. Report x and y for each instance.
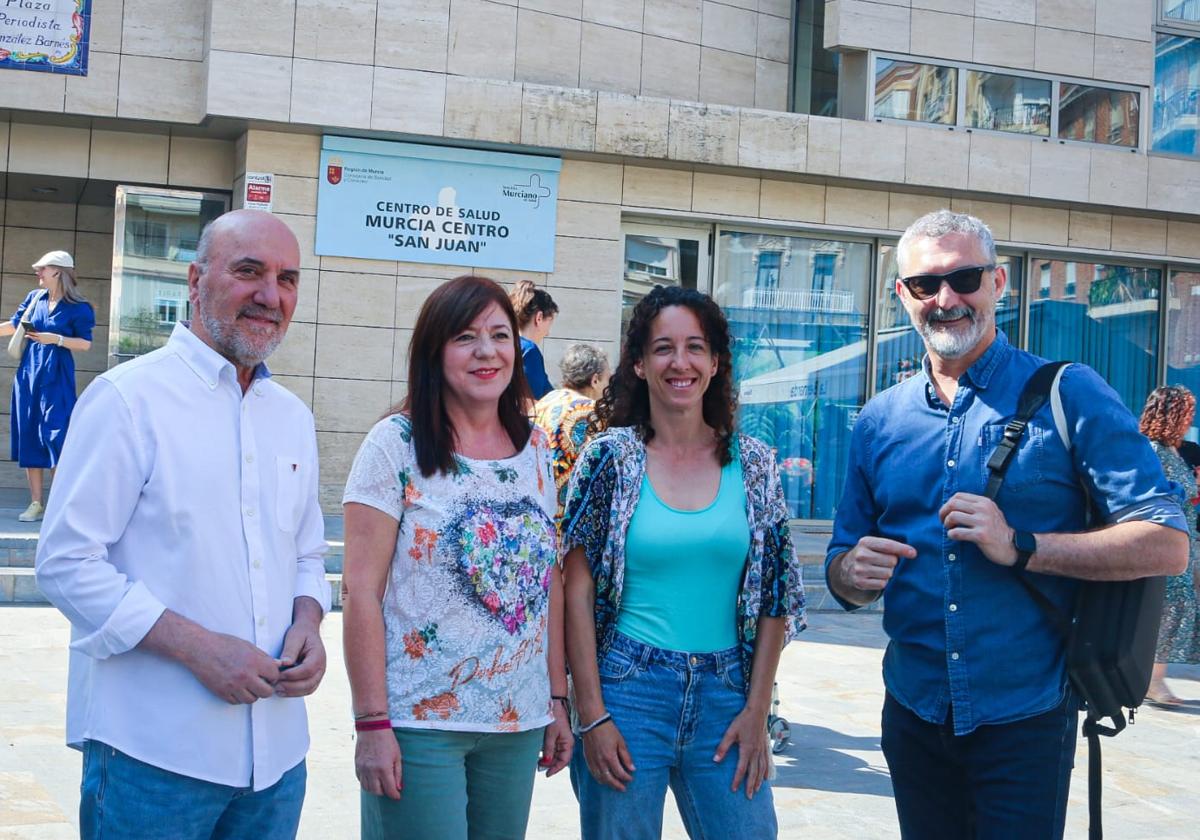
(564, 414)
(682, 586)
(453, 604)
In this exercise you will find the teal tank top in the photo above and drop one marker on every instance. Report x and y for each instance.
(683, 569)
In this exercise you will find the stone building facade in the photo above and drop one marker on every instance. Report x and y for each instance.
(681, 162)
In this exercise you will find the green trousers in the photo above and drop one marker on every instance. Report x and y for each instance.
(457, 786)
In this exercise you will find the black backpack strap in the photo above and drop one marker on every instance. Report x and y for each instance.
(1035, 395)
(1095, 824)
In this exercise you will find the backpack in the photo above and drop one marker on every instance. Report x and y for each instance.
(1111, 634)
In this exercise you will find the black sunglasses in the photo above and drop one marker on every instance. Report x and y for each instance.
(964, 281)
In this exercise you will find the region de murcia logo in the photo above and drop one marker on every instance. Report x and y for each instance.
(333, 171)
(533, 192)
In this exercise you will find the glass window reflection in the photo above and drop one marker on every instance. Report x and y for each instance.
(1102, 315)
(921, 92)
(1182, 10)
(797, 308)
(657, 261)
(1008, 103)
(898, 347)
(1176, 94)
(1098, 115)
(1183, 336)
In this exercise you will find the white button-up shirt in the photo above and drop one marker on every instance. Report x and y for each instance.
(176, 491)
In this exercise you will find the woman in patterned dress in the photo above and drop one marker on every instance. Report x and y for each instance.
(682, 587)
(565, 412)
(1165, 419)
(452, 596)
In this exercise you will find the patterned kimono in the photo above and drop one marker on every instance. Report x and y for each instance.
(602, 496)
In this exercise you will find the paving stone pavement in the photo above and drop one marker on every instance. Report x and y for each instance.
(832, 781)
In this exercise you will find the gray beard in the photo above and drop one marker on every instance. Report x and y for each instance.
(234, 345)
(953, 344)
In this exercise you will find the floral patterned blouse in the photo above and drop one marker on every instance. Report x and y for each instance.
(563, 416)
(466, 606)
(602, 496)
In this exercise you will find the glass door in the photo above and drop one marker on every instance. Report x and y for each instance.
(662, 255)
(154, 240)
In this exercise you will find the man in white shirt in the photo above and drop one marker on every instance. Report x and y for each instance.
(184, 540)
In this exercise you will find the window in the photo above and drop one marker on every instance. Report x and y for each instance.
(1186, 11)
(799, 355)
(814, 68)
(1098, 115)
(168, 311)
(1008, 103)
(1183, 334)
(657, 255)
(768, 270)
(1176, 94)
(1110, 323)
(1044, 280)
(922, 92)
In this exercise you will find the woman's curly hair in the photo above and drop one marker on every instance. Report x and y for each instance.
(626, 400)
(1168, 414)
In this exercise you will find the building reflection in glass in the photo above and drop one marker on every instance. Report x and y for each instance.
(1105, 316)
(1098, 115)
(1176, 94)
(1183, 335)
(798, 309)
(908, 91)
(1008, 103)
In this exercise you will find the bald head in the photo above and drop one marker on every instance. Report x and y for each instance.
(243, 286)
(245, 222)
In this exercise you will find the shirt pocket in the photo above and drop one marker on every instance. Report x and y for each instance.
(1026, 468)
(288, 485)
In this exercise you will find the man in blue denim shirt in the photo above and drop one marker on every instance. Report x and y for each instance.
(978, 721)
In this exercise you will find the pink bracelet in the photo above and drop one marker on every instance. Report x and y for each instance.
(372, 725)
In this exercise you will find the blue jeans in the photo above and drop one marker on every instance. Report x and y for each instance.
(457, 786)
(672, 709)
(999, 781)
(122, 798)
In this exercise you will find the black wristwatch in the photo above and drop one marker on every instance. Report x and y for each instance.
(1026, 544)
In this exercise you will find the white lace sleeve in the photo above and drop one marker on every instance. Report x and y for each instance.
(380, 472)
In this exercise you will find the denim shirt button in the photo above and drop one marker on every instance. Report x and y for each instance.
(950, 463)
(954, 608)
(954, 656)
(952, 557)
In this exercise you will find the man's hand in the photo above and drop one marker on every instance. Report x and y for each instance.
(976, 519)
(869, 566)
(302, 661)
(233, 669)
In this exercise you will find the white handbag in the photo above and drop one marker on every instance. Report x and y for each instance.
(16, 344)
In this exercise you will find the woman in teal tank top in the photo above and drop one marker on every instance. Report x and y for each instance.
(682, 586)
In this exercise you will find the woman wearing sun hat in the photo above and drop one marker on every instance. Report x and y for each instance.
(57, 321)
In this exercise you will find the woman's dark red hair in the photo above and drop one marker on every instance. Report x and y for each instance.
(448, 311)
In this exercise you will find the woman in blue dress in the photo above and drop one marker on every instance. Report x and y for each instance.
(535, 314)
(58, 321)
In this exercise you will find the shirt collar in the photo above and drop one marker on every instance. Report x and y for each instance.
(204, 361)
(984, 368)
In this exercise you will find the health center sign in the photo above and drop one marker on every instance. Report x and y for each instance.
(382, 200)
(46, 35)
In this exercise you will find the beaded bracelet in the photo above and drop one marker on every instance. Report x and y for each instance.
(604, 718)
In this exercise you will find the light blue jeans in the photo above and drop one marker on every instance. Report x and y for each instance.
(122, 798)
(672, 709)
